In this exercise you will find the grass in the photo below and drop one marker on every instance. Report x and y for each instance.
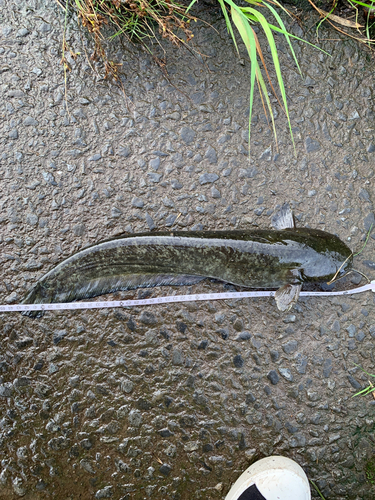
(244, 18)
(317, 489)
(367, 390)
(141, 20)
(370, 471)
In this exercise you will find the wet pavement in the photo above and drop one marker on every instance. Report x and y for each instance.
(175, 401)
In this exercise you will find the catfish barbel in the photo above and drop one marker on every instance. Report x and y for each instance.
(283, 258)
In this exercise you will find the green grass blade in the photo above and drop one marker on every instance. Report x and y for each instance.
(367, 390)
(190, 5)
(317, 489)
(263, 22)
(286, 34)
(267, 99)
(360, 367)
(228, 23)
(247, 36)
(371, 6)
(279, 30)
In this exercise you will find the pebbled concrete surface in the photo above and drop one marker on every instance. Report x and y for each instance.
(175, 401)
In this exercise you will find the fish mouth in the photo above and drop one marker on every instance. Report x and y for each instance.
(343, 270)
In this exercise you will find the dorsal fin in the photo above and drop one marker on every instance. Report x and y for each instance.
(283, 219)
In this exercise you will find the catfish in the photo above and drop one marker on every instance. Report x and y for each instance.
(285, 258)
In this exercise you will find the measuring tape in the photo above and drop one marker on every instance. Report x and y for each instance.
(169, 299)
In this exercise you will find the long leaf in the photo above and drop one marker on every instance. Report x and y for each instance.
(286, 34)
(279, 30)
(371, 6)
(260, 53)
(228, 23)
(263, 22)
(247, 36)
(265, 93)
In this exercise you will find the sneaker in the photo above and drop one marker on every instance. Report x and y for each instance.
(271, 478)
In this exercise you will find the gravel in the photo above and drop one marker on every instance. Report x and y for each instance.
(171, 401)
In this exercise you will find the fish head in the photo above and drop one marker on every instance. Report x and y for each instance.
(328, 258)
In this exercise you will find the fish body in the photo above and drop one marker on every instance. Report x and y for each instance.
(286, 258)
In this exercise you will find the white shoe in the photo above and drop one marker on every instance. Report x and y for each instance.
(271, 478)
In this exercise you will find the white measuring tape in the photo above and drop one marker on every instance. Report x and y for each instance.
(169, 299)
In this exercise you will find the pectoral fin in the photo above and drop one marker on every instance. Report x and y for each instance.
(283, 219)
(287, 295)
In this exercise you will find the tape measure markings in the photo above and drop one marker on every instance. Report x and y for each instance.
(170, 299)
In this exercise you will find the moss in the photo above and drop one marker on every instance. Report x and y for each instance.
(370, 471)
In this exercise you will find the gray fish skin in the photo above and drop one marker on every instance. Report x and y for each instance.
(253, 259)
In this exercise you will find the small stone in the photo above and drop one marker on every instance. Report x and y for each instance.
(274, 355)
(45, 28)
(273, 377)
(286, 373)
(124, 151)
(215, 193)
(126, 386)
(327, 368)
(29, 120)
(368, 221)
(153, 177)
(79, 229)
(191, 446)
(6, 390)
(266, 155)
(187, 135)
(32, 219)
(95, 157)
(176, 184)
(207, 178)
(244, 336)
(311, 145)
(210, 155)
(115, 212)
(137, 202)
(86, 465)
(165, 433)
(58, 336)
(74, 381)
(170, 220)
(165, 469)
(13, 134)
(364, 195)
(291, 318)
(309, 82)
(49, 178)
(354, 115)
(18, 488)
(178, 160)
(22, 32)
(238, 361)
(106, 492)
(290, 347)
(351, 330)
(86, 444)
(135, 418)
(301, 363)
(155, 163)
(177, 357)
(22, 382)
(360, 336)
